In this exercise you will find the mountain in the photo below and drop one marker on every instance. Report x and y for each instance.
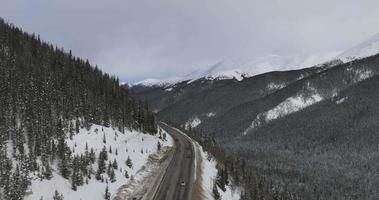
(367, 48)
(240, 69)
(60, 118)
(310, 132)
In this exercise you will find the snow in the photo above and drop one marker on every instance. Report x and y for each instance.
(291, 105)
(339, 101)
(208, 177)
(288, 106)
(129, 144)
(168, 89)
(159, 82)
(240, 68)
(192, 123)
(211, 114)
(275, 86)
(362, 74)
(367, 48)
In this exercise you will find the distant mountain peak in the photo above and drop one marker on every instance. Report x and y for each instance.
(240, 68)
(367, 48)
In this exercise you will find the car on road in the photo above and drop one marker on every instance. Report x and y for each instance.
(182, 184)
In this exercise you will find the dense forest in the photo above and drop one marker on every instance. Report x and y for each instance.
(46, 92)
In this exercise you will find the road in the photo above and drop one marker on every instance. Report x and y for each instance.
(181, 168)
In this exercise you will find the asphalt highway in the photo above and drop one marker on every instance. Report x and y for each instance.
(177, 182)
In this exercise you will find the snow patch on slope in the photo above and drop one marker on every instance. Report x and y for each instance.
(192, 123)
(341, 100)
(362, 74)
(288, 106)
(211, 114)
(131, 144)
(275, 86)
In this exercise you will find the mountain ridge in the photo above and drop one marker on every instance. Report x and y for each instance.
(240, 69)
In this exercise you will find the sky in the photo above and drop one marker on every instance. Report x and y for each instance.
(138, 39)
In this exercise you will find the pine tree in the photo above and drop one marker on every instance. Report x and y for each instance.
(112, 175)
(64, 167)
(71, 130)
(48, 174)
(129, 162)
(107, 195)
(216, 194)
(77, 125)
(92, 156)
(104, 139)
(126, 174)
(114, 164)
(159, 146)
(57, 196)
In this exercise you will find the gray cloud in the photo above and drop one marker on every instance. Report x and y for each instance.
(136, 39)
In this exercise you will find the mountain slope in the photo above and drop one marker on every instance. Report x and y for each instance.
(206, 98)
(46, 96)
(313, 136)
(367, 48)
(326, 150)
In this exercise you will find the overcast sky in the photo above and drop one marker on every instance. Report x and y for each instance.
(137, 39)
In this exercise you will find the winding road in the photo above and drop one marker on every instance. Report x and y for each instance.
(181, 169)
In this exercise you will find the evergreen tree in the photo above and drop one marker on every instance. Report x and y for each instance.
(159, 146)
(126, 174)
(129, 162)
(114, 164)
(57, 196)
(216, 194)
(112, 175)
(107, 195)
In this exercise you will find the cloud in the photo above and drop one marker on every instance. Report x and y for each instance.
(136, 39)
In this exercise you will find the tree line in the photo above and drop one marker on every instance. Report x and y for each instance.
(46, 92)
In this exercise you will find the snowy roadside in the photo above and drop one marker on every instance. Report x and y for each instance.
(206, 174)
(148, 177)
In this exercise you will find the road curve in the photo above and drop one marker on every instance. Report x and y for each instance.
(181, 168)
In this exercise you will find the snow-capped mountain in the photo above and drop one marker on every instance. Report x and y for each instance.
(238, 69)
(367, 48)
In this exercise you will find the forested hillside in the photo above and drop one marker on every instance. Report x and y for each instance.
(46, 92)
(304, 134)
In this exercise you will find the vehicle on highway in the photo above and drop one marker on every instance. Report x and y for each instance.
(182, 184)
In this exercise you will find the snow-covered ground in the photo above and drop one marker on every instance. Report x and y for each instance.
(207, 176)
(136, 145)
(192, 123)
(288, 106)
(367, 48)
